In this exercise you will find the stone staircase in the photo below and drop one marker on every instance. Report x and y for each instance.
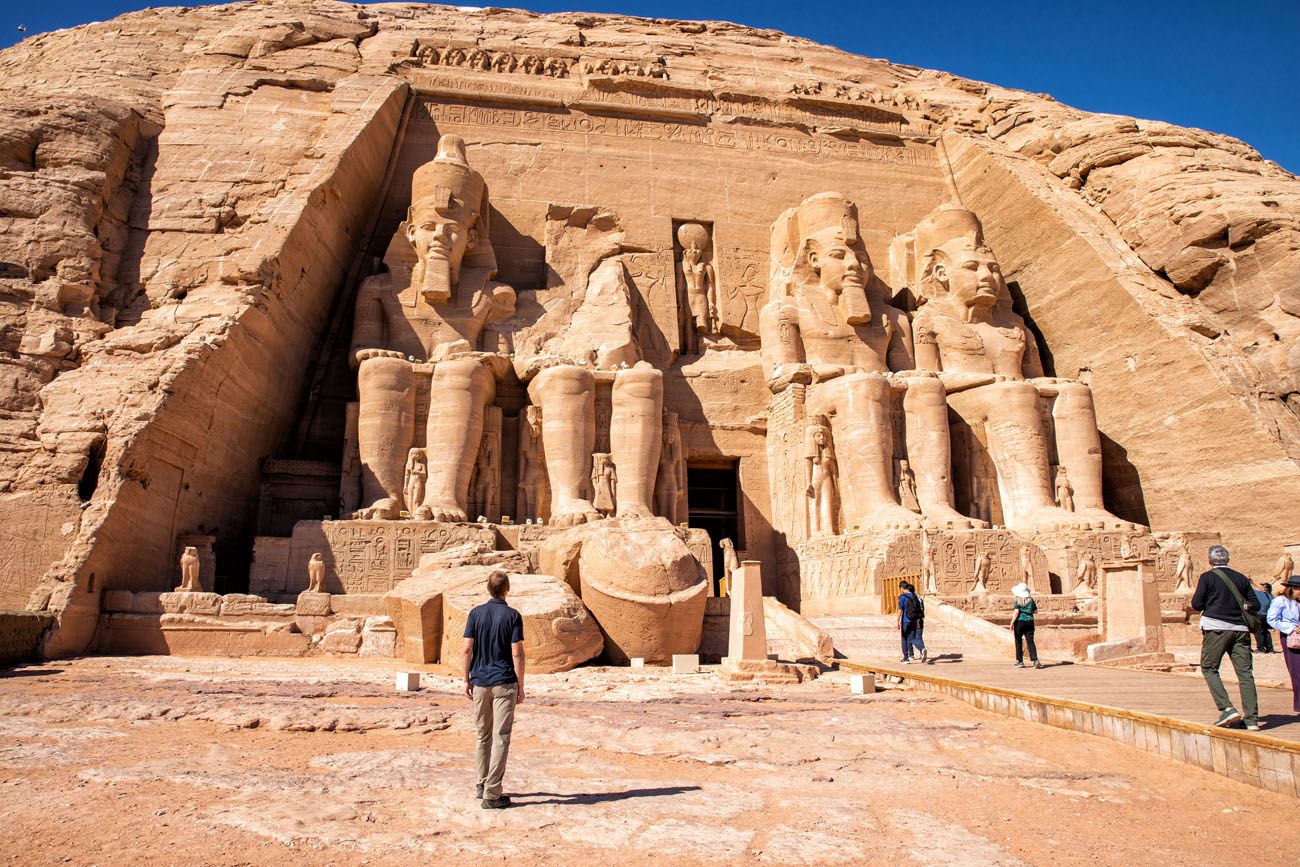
(874, 638)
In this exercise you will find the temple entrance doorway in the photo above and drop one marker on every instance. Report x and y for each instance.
(713, 492)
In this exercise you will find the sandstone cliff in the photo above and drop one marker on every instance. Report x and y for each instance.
(186, 195)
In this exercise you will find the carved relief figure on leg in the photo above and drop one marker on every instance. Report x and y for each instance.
(907, 487)
(417, 470)
(666, 481)
(819, 457)
(603, 483)
(432, 302)
(989, 363)
(1064, 493)
(531, 500)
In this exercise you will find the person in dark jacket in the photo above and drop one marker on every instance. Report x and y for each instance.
(1264, 638)
(1224, 631)
(911, 622)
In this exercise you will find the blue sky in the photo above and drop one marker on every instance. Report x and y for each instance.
(1226, 67)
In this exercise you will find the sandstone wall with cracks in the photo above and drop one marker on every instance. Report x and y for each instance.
(182, 193)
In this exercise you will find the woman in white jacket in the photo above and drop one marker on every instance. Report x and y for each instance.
(1284, 616)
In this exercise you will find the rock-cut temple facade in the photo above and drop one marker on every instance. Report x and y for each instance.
(312, 315)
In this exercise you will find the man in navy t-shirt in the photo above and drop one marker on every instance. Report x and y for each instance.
(494, 679)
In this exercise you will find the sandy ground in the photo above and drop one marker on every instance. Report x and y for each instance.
(166, 761)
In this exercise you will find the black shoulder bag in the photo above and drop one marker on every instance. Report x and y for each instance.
(1252, 621)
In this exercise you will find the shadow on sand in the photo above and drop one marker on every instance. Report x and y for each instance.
(597, 797)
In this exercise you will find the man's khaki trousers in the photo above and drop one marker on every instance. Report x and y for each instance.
(494, 713)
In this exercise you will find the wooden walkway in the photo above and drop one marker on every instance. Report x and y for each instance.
(1163, 713)
(1178, 696)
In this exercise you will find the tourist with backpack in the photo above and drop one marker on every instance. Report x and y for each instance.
(1229, 614)
(1022, 624)
(911, 622)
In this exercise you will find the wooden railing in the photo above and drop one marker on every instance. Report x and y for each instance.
(889, 590)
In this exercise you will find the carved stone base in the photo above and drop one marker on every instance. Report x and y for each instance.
(768, 671)
(360, 556)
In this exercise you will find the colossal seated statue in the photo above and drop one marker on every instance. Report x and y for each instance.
(989, 364)
(431, 303)
(828, 326)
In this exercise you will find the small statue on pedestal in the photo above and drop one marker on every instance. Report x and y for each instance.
(316, 574)
(190, 571)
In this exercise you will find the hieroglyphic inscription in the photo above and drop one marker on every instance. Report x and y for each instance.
(742, 280)
(372, 556)
(729, 138)
(956, 553)
(853, 565)
(656, 313)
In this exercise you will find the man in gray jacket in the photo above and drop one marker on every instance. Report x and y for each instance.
(1223, 596)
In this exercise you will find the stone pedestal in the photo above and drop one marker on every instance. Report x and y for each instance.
(747, 636)
(1129, 614)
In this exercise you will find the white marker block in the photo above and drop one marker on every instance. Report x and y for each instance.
(408, 681)
(862, 684)
(686, 663)
(637, 662)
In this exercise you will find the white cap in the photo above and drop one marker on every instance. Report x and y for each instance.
(1021, 591)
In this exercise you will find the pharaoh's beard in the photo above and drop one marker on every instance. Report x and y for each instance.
(853, 301)
(435, 278)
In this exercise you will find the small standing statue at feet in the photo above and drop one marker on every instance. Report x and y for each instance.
(603, 482)
(819, 453)
(1085, 576)
(907, 487)
(1064, 493)
(417, 470)
(730, 563)
(532, 494)
(316, 574)
(983, 566)
(190, 571)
